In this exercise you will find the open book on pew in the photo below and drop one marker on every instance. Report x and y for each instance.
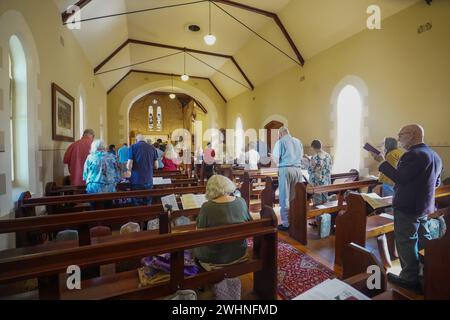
(193, 201)
(160, 181)
(375, 201)
(170, 201)
(332, 289)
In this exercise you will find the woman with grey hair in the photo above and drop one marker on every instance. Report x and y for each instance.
(392, 155)
(101, 170)
(221, 209)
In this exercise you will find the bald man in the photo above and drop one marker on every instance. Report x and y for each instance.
(416, 177)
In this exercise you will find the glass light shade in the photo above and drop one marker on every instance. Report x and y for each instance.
(185, 77)
(172, 96)
(210, 39)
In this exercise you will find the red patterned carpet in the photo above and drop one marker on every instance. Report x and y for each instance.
(298, 272)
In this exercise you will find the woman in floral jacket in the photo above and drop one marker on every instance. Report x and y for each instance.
(319, 170)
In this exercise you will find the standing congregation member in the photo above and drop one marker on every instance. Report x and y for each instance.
(160, 155)
(392, 155)
(251, 157)
(123, 157)
(288, 153)
(101, 170)
(209, 159)
(170, 159)
(112, 149)
(142, 158)
(416, 177)
(319, 170)
(76, 155)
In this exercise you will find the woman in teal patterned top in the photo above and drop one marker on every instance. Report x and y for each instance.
(101, 170)
(319, 171)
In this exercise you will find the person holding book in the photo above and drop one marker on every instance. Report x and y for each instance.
(392, 155)
(416, 177)
(222, 209)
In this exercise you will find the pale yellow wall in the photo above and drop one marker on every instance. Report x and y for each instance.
(137, 84)
(407, 75)
(65, 65)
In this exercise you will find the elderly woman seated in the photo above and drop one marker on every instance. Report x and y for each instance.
(222, 209)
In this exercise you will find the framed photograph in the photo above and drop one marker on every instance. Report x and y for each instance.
(63, 115)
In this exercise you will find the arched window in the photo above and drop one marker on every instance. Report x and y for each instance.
(81, 116)
(349, 117)
(150, 118)
(11, 125)
(239, 138)
(19, 111)
(159, 119)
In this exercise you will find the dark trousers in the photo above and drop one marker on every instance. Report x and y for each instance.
(411, 233)
(142, 201)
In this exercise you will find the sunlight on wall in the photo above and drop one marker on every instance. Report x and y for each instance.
(349, 113)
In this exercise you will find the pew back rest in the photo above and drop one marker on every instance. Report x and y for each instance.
(52, 263)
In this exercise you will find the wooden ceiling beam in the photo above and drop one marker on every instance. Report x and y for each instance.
(67, 15)
(272, 15)
(169, 75)
(161, 45)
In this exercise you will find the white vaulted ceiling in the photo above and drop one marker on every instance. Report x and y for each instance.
(313, 25)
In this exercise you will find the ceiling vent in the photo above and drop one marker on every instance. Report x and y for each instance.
(193, 28)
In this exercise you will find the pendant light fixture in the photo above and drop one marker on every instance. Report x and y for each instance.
(210, 39)
(172, 95)
(185, 77)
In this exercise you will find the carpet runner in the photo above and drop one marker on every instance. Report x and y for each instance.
(298, 272)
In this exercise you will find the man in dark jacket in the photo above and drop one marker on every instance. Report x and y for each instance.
(416, 177)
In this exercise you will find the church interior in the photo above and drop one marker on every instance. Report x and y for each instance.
(191, 81)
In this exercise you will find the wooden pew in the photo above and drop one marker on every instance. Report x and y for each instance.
(26, 227)
(355, 225)
(356, 261)
(253, 184)
(268, 195)
(26, 204)
(263, 263)
(301, 210)
(52, 189)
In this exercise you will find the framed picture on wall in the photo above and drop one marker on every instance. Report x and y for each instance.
(63, 115)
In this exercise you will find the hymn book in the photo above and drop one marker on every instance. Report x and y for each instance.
(170, 200)
(332, 289)
(193, 201)
(371, 148)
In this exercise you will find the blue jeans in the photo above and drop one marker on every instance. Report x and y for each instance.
(411, 233)
(142, 201)
(287, 179)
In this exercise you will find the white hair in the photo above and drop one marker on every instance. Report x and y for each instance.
(140, 137)
(283, 131)
(97, 145)
(219, 186)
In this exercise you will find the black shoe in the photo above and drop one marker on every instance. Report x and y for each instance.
(282, 228)
(413, 286)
